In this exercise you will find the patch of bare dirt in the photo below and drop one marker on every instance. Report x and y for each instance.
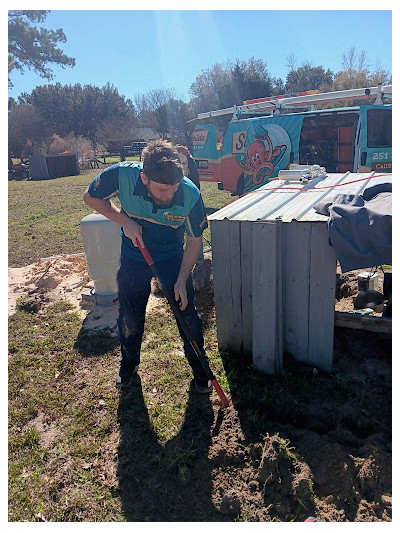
(64, 277)
(46, 428)
(278, 458)
(347, 289)
(48, 280)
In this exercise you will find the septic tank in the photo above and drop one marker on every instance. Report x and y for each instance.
(102, 244)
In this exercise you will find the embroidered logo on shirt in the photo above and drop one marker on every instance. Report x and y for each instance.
(173, 218)
(97, 183)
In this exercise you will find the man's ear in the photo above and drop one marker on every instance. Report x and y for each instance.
(144, 178)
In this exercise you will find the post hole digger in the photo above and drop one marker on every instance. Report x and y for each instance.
(178, 315)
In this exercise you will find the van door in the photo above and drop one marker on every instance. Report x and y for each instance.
(206, 153)
(375, 144)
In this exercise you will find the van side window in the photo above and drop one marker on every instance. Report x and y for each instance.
(379, 128)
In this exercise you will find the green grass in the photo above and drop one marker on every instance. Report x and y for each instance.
(44, 218)
(61, 381)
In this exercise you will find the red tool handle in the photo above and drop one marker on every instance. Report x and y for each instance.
(185, 328)
(146, 254)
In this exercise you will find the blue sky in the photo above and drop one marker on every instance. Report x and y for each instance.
(138, 50)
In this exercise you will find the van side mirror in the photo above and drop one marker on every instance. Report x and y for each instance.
(363, 158)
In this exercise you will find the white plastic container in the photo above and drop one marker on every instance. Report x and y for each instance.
(102, 244)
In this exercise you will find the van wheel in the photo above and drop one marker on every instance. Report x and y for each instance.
(240, 185)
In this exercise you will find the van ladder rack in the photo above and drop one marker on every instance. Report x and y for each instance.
(273, 104)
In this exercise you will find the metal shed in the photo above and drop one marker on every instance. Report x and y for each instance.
(275, 272)
(48, 166)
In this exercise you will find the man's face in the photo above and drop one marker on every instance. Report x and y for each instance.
(160, 193)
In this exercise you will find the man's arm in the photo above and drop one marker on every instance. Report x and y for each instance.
(190, 256)
(132, 229)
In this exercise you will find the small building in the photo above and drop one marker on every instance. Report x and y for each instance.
(49, 166)
(274, 271)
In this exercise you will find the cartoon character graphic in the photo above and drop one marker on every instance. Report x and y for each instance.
(261, 156)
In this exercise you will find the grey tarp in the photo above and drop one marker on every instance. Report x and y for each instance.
(360, 226)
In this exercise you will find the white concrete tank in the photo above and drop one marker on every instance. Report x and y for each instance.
(102, 244)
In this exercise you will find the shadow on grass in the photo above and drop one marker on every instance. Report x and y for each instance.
(348, 398)
(95, 343)
(165, 483)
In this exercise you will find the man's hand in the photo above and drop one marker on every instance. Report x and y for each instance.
(133, 231)
(181, 294)
(190, 255)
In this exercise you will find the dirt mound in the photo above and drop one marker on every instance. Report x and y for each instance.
(63, 277)
(48, 280)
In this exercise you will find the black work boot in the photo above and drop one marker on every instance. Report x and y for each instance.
(124, 379)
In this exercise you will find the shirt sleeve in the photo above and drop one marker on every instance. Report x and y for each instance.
(105, 185)
(196, 221)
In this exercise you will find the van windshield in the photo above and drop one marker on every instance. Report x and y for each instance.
(379, 128)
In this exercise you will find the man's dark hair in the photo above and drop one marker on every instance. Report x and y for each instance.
(161, 162)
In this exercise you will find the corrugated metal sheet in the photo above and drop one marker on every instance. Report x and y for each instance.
(292, 200)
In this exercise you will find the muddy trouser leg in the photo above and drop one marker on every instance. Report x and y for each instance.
(168, 272)
(133, 293)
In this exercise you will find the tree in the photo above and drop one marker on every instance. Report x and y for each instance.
(83, 110)
(350, 61)
(307, 78)
(12, 103)
(71, 143)
(356, 72)
(33, 48)
(209, 88)
(250, 79)
(118, 132)
(173, 117)
(151, 110)
(26, 130)
(227, 84)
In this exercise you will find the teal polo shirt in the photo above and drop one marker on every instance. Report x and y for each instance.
(163, 226)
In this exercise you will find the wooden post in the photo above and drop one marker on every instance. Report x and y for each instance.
(296, 298)
(246, 250)
(236, 337)
(225, 237)
(321, 317)
(267, 329)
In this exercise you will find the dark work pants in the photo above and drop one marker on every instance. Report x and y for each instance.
(133, 293)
